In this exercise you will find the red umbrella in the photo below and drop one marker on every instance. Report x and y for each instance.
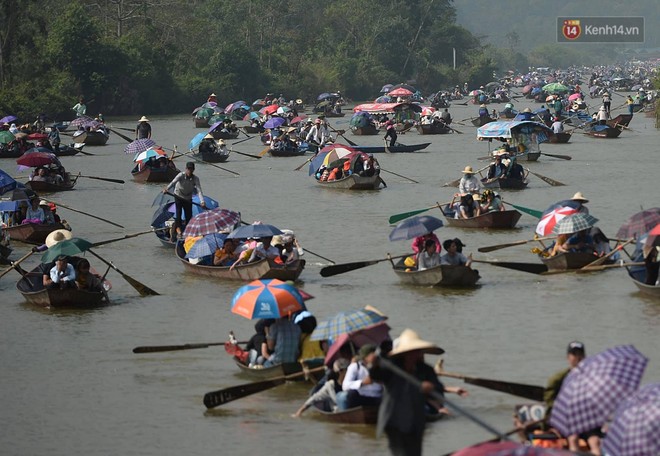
(508, 448)
(36, 159)
(374, 334)
(268, 109)
(37, 136)
(300, 118)
(400, 92)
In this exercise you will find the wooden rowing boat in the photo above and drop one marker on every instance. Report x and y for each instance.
(560, 138)
(569, 261)
(621, 119)
(201, 122)
(212, 157)
(220, 134)
(52, 187)
(148, 174)
(355, 415)
(31, 233)
(91, 138)
(481, 121)
(262, 269)
(437, 128)
(279, 370)
(505, 183)
(287, 152)
(248, 129)
(439, 276)
(605, 132)
(32, 288)
(353, 182)
(638, 277)
(399, 148)
(494, 220)
(369, 130)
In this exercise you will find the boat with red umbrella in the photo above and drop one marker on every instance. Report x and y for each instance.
(53, 179)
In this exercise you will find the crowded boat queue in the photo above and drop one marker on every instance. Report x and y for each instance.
(335, 246)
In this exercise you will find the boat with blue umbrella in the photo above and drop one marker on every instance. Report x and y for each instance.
(362, 124)
(163, 216)
(524, 135)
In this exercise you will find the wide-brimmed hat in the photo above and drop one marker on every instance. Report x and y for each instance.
(143, 119)
(221, 142)
(468, 170)
(57, 236)
(482, 106)
(409, 341)
(208, 136)
(579, 197)
(299, 101)
(213, 95)
(527, 110)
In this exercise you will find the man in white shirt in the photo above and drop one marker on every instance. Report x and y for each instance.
(358, 388)
(62, 275)
(265, 249)
(557, 126)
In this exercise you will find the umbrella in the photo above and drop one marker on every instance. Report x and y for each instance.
(68, 247)
(207, 245)
(194, 142)
(508, 448)
(555, 87)
(79, 121)
(297, 119)
(149, 153)
(257, 230)
(211, 221)
(414, 227)
(269, 298)
(549, 98)
(258, 102)
(386, 88)
(639, 223)
(427, 110)
(400, 92)
(251, 115)
(6, 137)
(8, 119)
(266, 110)
(167, 209)
(214, 119)
(37, 159)
(475, 93)
(330, 154)
(404, 86)
(374, 334)
(214, 126)
(383, 99)
(139, 145)
(554, 214)
(20, 193)
(203, 112)
(210, 105)
(594, 388)
(574, 96)
(283, 110)
(7, 183)
(574, 223)
(233, 106)
(635, 428)
(38, 149)
(274, 122)
(346, 322)
(37, 136)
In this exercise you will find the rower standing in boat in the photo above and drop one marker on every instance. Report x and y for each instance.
(318, 134)
(80, 108)
(143, 129)
(607, 101)
(390, 132)
(184, 184)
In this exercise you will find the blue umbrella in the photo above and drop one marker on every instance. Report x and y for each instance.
(274, 122)
(7, 183)
(414, 227)
(196, 140)
(252, 115)
(166, 210)
(383, 99)
(386, 88)
(258, 230)
(207, 245)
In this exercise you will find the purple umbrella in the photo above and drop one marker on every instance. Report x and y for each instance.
(233, 106)
(139, 145)
(215, 125)
(274, 122)
(635, 428)
(595, 387)
(8, 119)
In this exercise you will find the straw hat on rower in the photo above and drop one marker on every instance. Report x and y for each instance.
(208, 136)
(410, 341)
(580, 197)
(143, 119)
(57, 236)
(468, 170)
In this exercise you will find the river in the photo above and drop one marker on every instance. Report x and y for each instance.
(72, 386)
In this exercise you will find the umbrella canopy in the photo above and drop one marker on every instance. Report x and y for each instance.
(386, 88)
(400, 92)
(574, 223)
(404, 86)
(374, 334)
(383, 99)
(554, 214)
(257, 230)
(574, 96)
(428, 110)
(167, 209)
(327, 96)
(283, 109)
(635, 428)
(330, 154)
(549, 98)
(37, 136)
(297, 119)
(594, 388)
(475, 93)
(37, 159)
(266, 110)
(639, 223)
(414, 227)
(149, 153)
(215, 118)
(79, 121)
(251, 115)
(139, 145)
(68, 247)
(202, 113)
(209, 105)
(196, 140)
(207, 245)
(274, 122)
(211, 221)
(20, 193)
(215, 125)
(346, 322)
(8, 119)
(233, 106)
(258, 102)
(268, 298)
(7, 183)
(555, 87)
(6, 137)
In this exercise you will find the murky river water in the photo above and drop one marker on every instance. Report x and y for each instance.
(72, 386)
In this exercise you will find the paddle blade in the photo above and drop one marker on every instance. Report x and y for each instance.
(398, 217)
(139, 287)
(336, 269)
(492, 248)
(546, 179)
(532, 392)
(453, 183)
(532, 268)
(526, 210)
(223, 396)
(264, 152)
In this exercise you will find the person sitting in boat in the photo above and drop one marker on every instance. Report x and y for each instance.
(525, 115)
(469, 182)
(35, 213)
(508, 111)
(337, 173)
(221, 147)
(497, 169)
(515, 170)
(602, 244)
(85, 280)
(652, 266)
(491, 201)
(41, 175)
(425, 120)
(602, 116)
(326, 396)
(305, 129)
(483, 112)
(370, 166)
(62, 275)
(581, 241)
(429, 257)
(283, 340)
(468, 207)
(208, 145)
(445, 117)
(558, 106)
(558, 246)
(419, 243)
(264, 250)
(257, 347)
(454, 257)
(357, 388)
(54, 138)
(557, 126)
(227, 254)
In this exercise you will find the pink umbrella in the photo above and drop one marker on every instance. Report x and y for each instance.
(297, 119)
(574, 96)
(427, 110)
(374, 334)
(400, 92)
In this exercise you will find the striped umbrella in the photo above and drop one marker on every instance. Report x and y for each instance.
(549, 219)
(346, 322)
(268, 298)
(139, 145)
(212, 221)
(635, 429)
(79, 121)
(594, 388)
(574, 223)
(639, 223)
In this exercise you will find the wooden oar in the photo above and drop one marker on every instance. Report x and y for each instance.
(243, 153)
(602, 267)
(532, 392)
(492, 248)
(317, 255)
(546, 179)
(532, 268)
(243, 140)
(604, 258)
(132, 130)
(122, 136)
(455, 130)
(392, 172)
(214, 165)
(82, 212)
(350, 143)
(128, 236)
(116, 181)
(336, 269)
(526, 210)
(14, 264)
(306, 161)
(139, 287)
(404, 215)
(562, 157)
(223, 396)
(164, 348)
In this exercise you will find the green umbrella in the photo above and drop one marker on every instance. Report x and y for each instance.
(555, 87)
(6, 137)
(217, 118)
(68, 247)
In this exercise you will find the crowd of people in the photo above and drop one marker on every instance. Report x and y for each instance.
(364, 165)
(63, 274)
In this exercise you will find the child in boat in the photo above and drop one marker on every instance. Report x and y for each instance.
(85, 280)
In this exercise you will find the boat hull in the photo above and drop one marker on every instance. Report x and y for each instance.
(494, 220)
(433, 129)
(356, 415)
(224, 134)
(369, 130)
(92, 138)
(31, 233)
(155, 174)
(569, 261)
(441, 276)
(51, 187)
(353, 182)
(253, 130)
(505, 184)
(287, 152)
(212, 157)
(201, 122)
(560, 138)
(395, 149)
(278, 370)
